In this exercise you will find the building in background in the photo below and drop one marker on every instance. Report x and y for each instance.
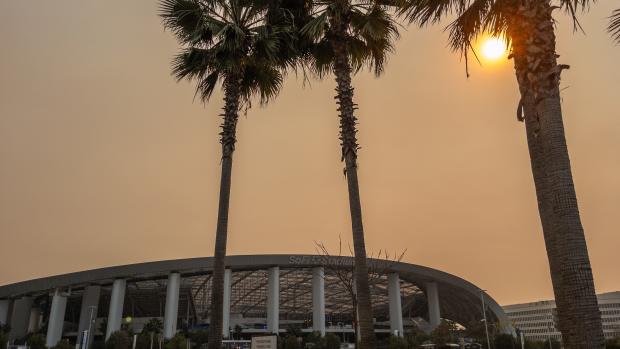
(537, 320)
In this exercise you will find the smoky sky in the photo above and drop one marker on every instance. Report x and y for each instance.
(105, 159)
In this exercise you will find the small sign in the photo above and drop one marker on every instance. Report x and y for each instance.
(265, 342)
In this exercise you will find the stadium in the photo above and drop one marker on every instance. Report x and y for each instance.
(263, 294)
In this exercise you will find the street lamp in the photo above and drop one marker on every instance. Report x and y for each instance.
(484, 314)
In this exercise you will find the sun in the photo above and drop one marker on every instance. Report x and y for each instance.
(493, 48)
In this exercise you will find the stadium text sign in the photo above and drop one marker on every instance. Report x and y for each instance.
(265, 342)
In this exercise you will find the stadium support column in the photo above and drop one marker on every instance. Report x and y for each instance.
(226, 304)
(273, 300)
(56, 319)
(115, 314)
(318, 300)
(35, 320)
(432, 296)
(171, 311)
(396, 310)
(5, 311)
(88, 315)
(20, 318)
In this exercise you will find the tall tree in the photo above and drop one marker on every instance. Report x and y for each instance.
(614, 25)
(346, 36)
(528, 26)
(246, 45)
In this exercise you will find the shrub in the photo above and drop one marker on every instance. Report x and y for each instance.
(4, 337)
(154, 325)
(199, 338)
(613, 343)
(118, 340)
(504, 341)
(63, 344)
(332, 341)
(396, 342)
(144, 341)
(289, 342)
(36, 341)
(176, 342)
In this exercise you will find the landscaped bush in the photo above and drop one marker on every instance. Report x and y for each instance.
(613, 343)
(36, 341)
(118, 340)
(332, 341)
(289, 342)
(176, 342)
(144, 340)
(4, 337)
(154, 325)
(504, 341)
(63, 344)
(198, 338)
(396, 342)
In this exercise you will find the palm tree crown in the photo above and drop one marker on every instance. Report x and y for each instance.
(232, 39)
(476, 17)
(365, 27)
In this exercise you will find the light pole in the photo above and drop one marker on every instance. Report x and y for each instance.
(90, 326)
(484, 314)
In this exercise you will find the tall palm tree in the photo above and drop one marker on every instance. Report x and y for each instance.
(528, 25)
(347, 35)
(614, 25)
(245, 45)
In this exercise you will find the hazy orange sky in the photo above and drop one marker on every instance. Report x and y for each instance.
(106, 160)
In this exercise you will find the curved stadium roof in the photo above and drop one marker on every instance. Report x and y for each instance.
(146, 285)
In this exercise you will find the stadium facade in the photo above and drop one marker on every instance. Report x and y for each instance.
(263, 294)
(538, 320)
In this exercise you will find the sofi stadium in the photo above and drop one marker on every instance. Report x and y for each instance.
(263, 294)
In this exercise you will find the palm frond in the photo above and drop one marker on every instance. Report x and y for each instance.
(315, 28)
(425, 12)
(614, 25)
(182, 17)
(262, 80)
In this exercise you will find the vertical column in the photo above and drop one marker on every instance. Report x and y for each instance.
(35, 320)
(273, 300)
(396, 310)
(88, 315)
(226, 304)
(56, 320)
(5, 311)
(171, 310)
(115, 314)
(432, 296)
(318, 300)
(20, 317)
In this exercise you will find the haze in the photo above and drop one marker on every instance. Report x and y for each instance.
(106, 160)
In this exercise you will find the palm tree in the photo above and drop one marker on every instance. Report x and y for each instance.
(528, 26)
(347, 35)
(614, 25)
(245, 45)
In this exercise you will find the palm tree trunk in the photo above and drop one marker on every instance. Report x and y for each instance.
(227, 138)
(538, 75)
(348, 139)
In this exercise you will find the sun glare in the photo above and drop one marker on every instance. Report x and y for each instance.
(493, 48)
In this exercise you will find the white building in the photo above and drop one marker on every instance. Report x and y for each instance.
(537, 320)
